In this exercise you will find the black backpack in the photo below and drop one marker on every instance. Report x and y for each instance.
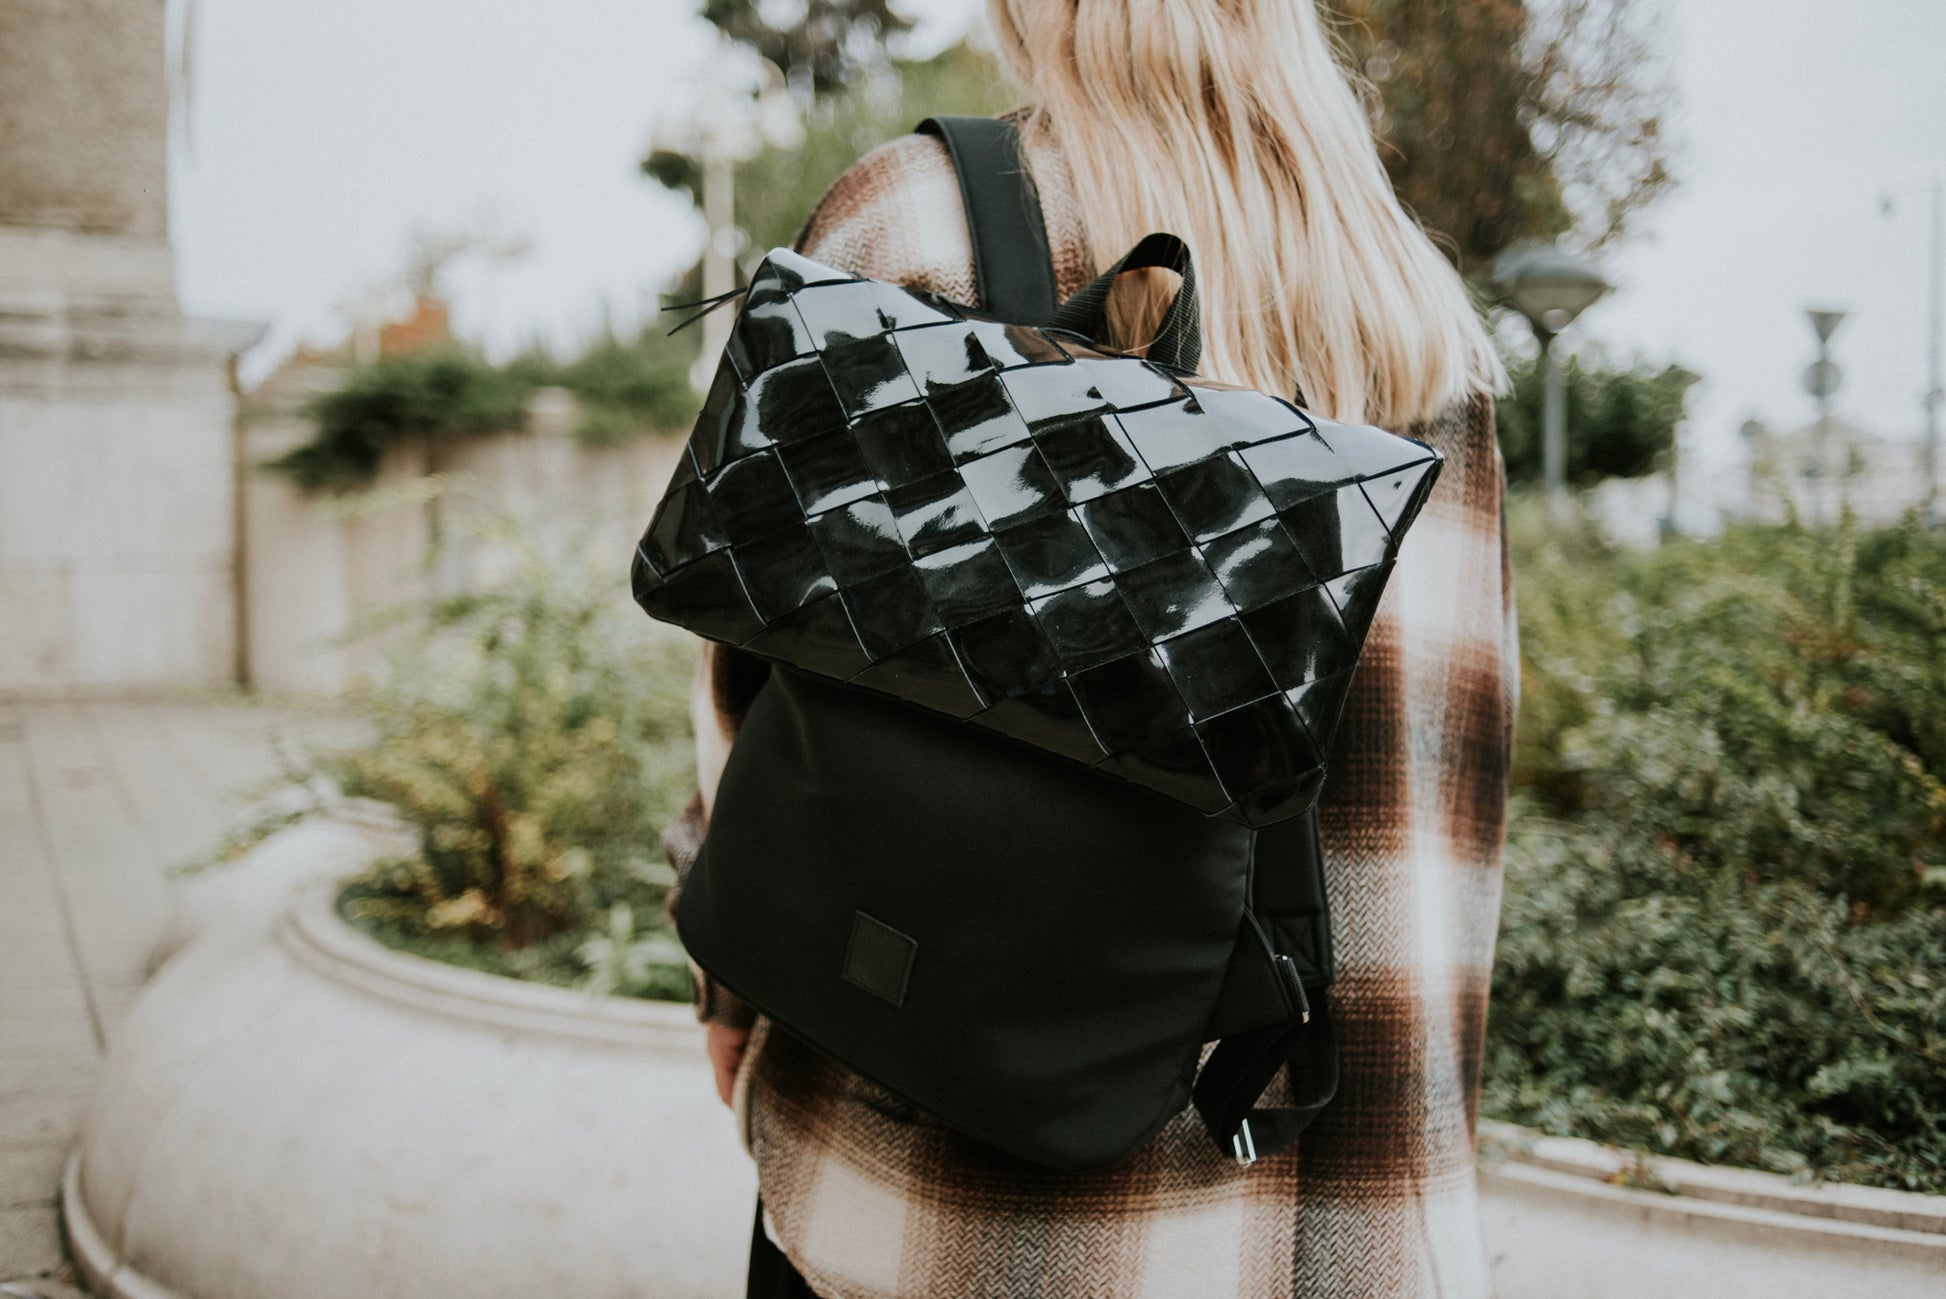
(1031, 951)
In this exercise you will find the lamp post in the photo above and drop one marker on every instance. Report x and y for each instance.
(740, 105)
(1935, 394)
(1822, 380)
(1551, 287)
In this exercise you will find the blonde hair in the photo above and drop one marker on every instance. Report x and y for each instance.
(1232, 124)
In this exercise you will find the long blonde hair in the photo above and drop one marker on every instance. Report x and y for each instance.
(1231, 124)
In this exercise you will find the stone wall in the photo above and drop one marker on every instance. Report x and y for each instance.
(317, 566)
(117, 450)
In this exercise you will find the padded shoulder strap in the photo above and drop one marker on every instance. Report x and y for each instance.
(1012, 267)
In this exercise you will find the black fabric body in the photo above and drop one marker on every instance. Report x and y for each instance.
(1031, 951)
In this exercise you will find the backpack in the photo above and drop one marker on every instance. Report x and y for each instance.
(1023, 816)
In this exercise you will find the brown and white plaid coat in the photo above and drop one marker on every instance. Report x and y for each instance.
(873, 1199)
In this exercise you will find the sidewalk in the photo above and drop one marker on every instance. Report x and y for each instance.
(96, 798)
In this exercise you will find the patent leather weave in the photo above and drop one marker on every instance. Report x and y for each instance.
(1165, 579)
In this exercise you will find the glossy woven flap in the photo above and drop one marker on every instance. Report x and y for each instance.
(1165, 579)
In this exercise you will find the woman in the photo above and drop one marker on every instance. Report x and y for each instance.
(1227, 122)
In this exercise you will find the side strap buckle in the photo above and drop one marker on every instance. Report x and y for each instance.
(1244, 1145)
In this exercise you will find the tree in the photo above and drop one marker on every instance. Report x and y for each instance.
(776, 190)
(820, 46)
(1501, 119)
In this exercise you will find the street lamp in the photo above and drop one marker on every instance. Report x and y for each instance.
(1822, 380)
(740, 105)
(1550, 286)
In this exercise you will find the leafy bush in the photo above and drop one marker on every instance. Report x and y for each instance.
(434, 395)
(442, 394)
(535, 736)
(1621, 422)
(1724, 927)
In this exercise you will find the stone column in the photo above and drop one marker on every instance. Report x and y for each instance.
(117, 446)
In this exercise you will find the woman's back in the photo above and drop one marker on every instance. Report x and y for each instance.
(872, 1198)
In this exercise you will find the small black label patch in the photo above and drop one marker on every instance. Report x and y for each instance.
(879, 958)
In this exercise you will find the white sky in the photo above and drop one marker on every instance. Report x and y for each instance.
(322, 134)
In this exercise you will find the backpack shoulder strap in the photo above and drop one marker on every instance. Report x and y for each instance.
(1012, 267)
(1013, 273)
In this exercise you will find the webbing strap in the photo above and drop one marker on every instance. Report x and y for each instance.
(1235, 1075)
(1013, 273)
(1012, 267)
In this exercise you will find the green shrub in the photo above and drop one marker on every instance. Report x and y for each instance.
(435, 395)
(534, 735)
(1621, 420)
(626, 390)
(1724, 929)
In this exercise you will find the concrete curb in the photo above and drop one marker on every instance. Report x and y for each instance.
(319, 937)
(297, 1110)
(1572, 1219)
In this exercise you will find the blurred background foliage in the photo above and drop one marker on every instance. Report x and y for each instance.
(624, 388)
(1499, 120)
(532, 734)
(1725, 908)
(1623, 419)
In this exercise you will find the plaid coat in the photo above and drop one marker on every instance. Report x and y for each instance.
(874, 1199)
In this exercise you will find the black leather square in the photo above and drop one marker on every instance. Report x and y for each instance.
(769, 333)
(1127, 387)
(1048, 395)
(1174, 594)
(721, 427)
(685, 530)
(928, 675)
(860, 308)
(1006, 654)
(1295, 470)
(1048, 718)
(793, 401)
(1013, 486)
(943, 356)
(859, 541)
(1129, 701)
(1133, 527)
(1257, 565)
(869, 374)
(1340, 532)
(754, 498)
(1173, 434)
(819, 637)
(827, 471)
(1143, 572)
(783, 571)
(1008, 346)
(1216, 668)
(1174, 764)
(968, 582)
(1356, 595)
(935, 513)
(1214, 496)
(1090, 625)
(1050, 554)
(976, 417)
(1258, 746)
(892, 612)
(1250, 418)
(879, 958)
(1091, 457)
(1301, 637)
(1397, 496)
(902, 444)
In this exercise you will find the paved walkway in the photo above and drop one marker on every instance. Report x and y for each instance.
(96, 799)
